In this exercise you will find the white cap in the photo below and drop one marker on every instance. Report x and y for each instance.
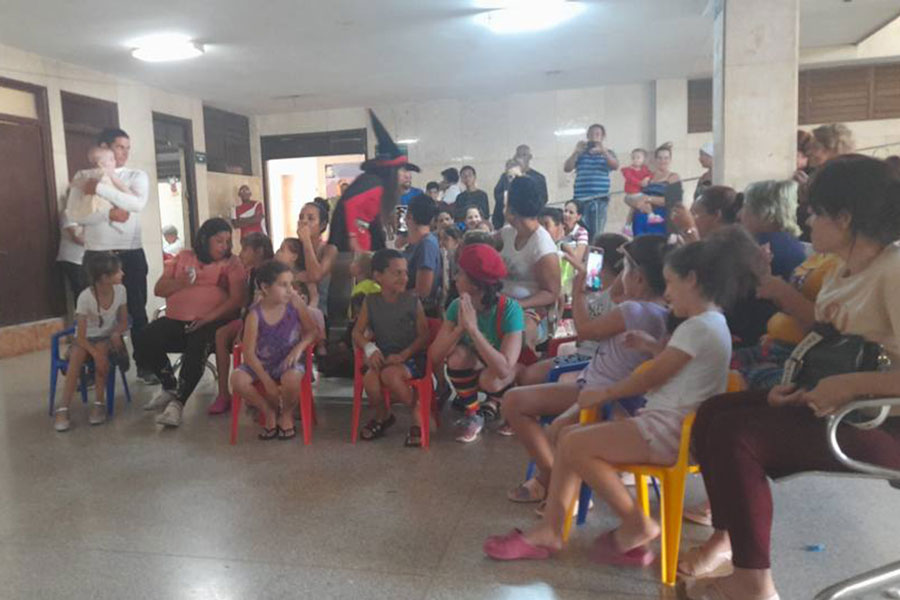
(707, 149)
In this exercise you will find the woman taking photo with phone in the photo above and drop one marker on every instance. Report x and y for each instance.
(618, 353)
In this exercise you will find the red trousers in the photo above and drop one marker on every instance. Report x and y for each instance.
(739, 441)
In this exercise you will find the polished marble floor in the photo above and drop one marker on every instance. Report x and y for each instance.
(128, 510)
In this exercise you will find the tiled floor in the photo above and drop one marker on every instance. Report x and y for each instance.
(127, 510)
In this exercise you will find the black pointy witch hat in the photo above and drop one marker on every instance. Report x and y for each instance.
(387, 153)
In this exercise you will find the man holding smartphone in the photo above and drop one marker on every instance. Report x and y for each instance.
(592, 163)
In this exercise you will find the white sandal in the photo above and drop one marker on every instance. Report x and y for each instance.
(61, 426)
(94, 420)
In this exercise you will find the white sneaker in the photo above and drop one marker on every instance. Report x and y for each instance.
(171, 417)
(61, 422)
(160, 400)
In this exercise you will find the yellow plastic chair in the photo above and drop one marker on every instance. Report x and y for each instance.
(672, 481)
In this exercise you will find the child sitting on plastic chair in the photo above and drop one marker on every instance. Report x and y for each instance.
(101, 317)
(393, 332)
(277, 332)
(613, 360)
(481, 338)
(256, 248)
(701, 279)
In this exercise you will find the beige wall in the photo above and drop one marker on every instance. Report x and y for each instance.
(485, 132)
(136, 104)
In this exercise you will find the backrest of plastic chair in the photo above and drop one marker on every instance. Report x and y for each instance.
(736, 382)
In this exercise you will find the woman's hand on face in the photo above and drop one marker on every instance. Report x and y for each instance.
(468, 318)
(830, 394)
(785, 395)
(801, 177)
(303, 232)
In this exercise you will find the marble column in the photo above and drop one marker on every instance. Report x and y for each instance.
(755, 73)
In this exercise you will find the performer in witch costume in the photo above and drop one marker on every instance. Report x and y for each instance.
(369, 202)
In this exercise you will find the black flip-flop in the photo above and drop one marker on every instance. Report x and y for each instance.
(286, 434)
(376, 428)
(268, 434)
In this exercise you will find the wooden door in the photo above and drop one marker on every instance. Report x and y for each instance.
(30, 287)
(83, 119)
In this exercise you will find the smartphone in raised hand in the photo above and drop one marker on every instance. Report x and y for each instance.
(594, 264)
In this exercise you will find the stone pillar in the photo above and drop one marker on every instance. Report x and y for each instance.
(755, 73)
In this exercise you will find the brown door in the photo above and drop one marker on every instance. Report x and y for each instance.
(84, 118)
(30, 288)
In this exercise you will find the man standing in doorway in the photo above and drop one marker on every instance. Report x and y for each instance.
(249, 216)
(522, 158)
(123, 238)
(592, 162)
(404, 180)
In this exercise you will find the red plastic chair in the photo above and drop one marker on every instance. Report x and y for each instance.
(307, 409)
(424, 388)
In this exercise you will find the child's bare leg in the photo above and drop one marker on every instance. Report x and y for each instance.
(77, 356)
(587, 453)
(372, 385)
(224, 342)
(396, 378)
(101, 372)
(290, 393)
(243, 385)
(536, 373)
(524, 406)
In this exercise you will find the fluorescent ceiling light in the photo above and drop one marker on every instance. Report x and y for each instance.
(529, 15)
(165, 47)
(573, 131)
(408, 141)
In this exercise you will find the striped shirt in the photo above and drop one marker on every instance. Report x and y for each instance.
(592, 175)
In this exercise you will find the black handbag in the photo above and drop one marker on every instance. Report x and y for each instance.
(825, 352)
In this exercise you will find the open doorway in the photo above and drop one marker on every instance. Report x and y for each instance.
(174, 144)
(292, 182)
(298, 167)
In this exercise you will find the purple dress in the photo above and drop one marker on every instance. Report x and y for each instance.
(275, 342)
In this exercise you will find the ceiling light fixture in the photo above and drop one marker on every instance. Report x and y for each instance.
(525, 16)
(165, 47)
(573, 131)
(408, 141)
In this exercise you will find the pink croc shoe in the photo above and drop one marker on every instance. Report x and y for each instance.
(514, 546)
(606, 553)
(221, 405)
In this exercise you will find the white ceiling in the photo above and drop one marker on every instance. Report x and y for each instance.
(285, 55)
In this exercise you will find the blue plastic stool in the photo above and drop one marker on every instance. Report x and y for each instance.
(59, 364)
(568, 364)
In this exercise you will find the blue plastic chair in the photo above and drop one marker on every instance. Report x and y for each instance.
(567, 365)
(60, 365)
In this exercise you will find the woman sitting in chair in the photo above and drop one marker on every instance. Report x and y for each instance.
(204, 288)
(740, 439)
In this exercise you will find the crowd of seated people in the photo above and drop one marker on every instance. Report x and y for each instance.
(724, 285)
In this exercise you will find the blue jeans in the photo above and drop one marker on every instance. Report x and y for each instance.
(595, 214)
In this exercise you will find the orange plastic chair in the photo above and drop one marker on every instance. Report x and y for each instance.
(672, 481)
(424, 388)
(307, 409)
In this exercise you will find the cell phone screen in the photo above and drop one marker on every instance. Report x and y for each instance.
(594, 266)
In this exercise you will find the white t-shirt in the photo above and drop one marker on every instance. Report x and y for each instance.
(451, 193)
(521, 282)
(100, 321)
(69, 251)
(99, 232)
(707, 340)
